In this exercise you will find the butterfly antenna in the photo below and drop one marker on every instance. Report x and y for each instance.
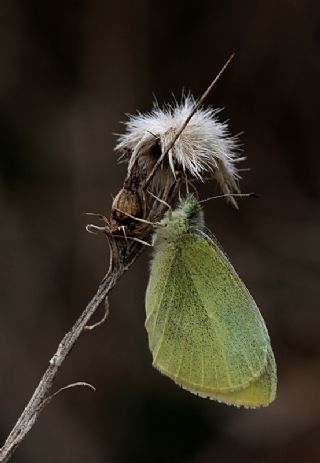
(159, 199)
(232, 195)
(133, 217)
(133, 238)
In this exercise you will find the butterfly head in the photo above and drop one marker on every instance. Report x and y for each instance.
(178, 224)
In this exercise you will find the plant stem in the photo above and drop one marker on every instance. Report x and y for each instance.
(120, 261)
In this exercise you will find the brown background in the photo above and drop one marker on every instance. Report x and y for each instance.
(68, 73)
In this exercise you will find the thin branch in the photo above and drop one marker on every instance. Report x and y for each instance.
(121, 260)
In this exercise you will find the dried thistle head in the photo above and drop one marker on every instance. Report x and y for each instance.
(203, 149)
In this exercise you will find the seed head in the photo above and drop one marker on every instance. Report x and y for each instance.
(203, 149)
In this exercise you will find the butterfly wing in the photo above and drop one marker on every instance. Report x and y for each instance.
(205, 330)
(260, 392)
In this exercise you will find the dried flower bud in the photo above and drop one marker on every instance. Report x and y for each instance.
(126, 204)
(129, 202)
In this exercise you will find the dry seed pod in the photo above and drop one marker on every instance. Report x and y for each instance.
(126, 203)
(130, 201)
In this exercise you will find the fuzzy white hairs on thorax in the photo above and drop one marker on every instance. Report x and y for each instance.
(204, 148)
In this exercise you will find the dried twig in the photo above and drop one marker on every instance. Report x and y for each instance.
(120, 261)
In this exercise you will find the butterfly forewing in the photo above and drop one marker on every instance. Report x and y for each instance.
(204, 328)
(230, 309)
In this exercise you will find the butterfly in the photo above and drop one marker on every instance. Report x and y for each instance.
(205, 330)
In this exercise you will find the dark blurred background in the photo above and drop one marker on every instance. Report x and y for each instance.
(69, 71)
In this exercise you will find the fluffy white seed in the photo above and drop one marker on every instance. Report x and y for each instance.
(204, 148)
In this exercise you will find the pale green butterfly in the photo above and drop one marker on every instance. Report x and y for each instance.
(205, 330)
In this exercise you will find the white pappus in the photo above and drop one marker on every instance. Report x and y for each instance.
(205, 146)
